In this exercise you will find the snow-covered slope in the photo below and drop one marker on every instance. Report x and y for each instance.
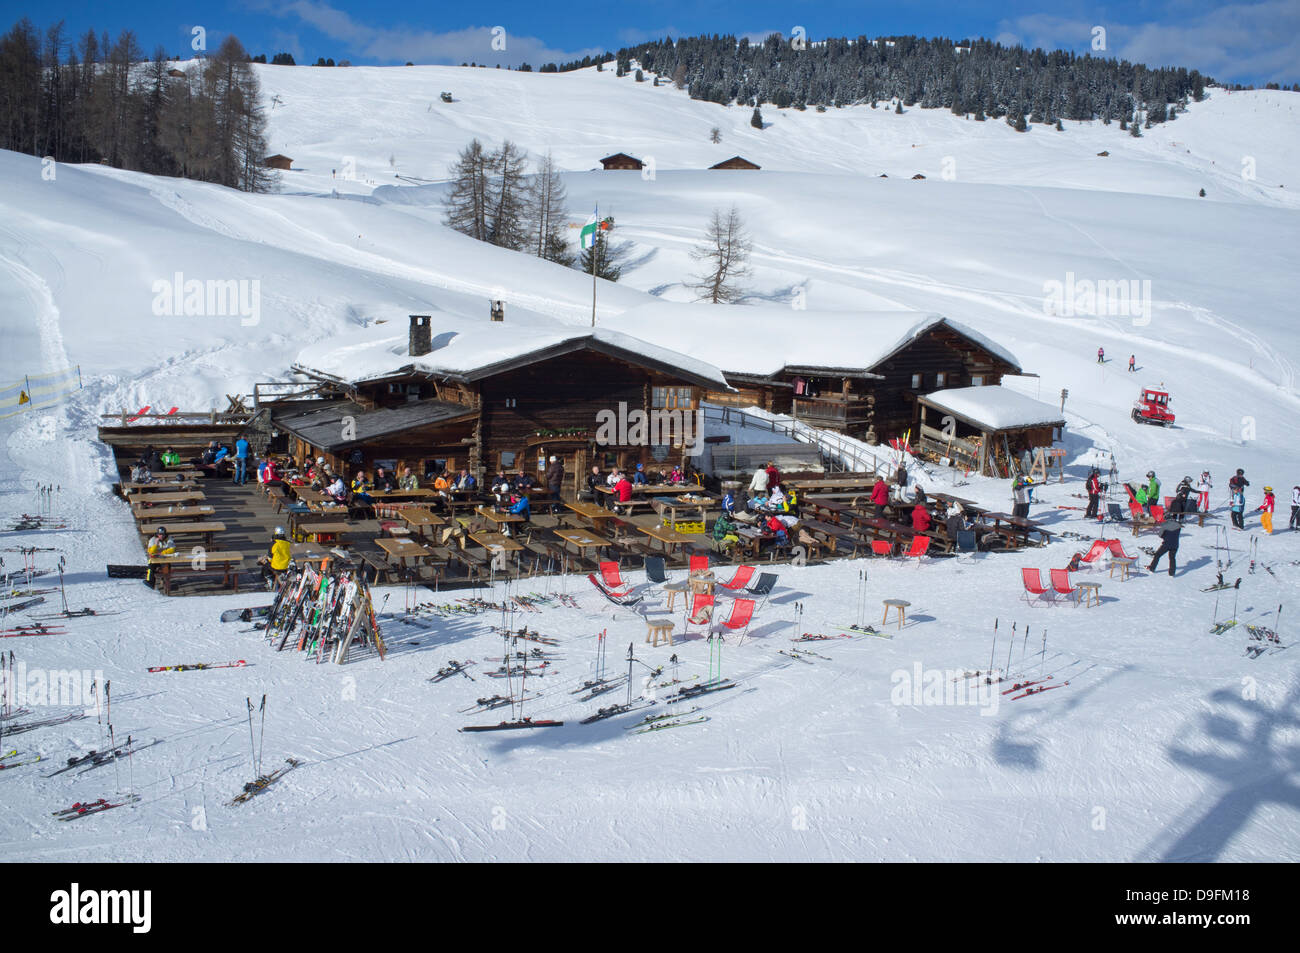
(1153, 728)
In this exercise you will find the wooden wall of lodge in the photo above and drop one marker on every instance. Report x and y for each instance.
(889, 406)
(561, 394)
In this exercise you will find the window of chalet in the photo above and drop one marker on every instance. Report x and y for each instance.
(940, 379)
(977, 380)
(916, 382)
(507, 460)
(671, 398)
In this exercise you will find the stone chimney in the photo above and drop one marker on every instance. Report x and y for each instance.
(421, 335)
(498, 310)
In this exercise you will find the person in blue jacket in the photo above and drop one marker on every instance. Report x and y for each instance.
(241, 461)
(639, 478)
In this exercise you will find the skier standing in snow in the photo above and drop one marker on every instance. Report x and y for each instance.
(1020, 497)
(1094, 495)
(1203, 487)
(1101, 355)
(1132, 359)
(1266, 511)
(1182, 504)
(1238, 482)
(1169, 531)
(1295, 507)
(1238, 506)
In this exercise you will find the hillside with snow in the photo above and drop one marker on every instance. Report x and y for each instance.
(1155, 727)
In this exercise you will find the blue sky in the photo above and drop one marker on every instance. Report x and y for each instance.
(1247, 42)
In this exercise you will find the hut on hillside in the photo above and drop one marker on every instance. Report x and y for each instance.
(277, 161)
(985, 429)
(621, 160)
(736, 162)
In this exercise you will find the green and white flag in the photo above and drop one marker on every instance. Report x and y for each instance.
(595, 224)
(588, 233)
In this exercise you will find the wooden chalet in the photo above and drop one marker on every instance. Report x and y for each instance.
(278, 161)
(985, 429)
(736, 162)
(621, 160)
(859, 373)
(492, 397)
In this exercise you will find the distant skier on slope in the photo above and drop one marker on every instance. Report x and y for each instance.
(1295, 507)
(1203, 488)
(1132, 359)
(1094, 494)
(1169, 544)
(1265, 511)
(1101, 355)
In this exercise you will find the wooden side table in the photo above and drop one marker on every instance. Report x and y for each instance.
(899, 604)
(659, 629)
(1124, 564)
(1089, 593)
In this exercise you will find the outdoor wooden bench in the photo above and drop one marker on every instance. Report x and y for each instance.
(227, 564)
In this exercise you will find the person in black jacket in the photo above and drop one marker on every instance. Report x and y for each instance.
(1169, 531)
(1094, 494)
(594, 479)
(384, 480)
(554, 476)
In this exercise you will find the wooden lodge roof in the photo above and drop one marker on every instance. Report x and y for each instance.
(320, 423)
(994, 408)
(736, 162)
(621, 160)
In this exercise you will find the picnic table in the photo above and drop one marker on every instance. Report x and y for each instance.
(490, 541)
(420, 519)
(173, 497)
(581, 540)
(697, 504)
(308, 553)
(148, 489)
(829, 510)
(171, 513)
(497, 518)
(598, 516)
(307, 495)
(403, 549)
(1018, 526)
(201, 529)
(877, 527)
(228, 563)
(397, 496)
(669, 538)
(834, 483)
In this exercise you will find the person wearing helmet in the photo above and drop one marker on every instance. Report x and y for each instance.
(1153, 491)
(1203, 488)
(1238, 482)
(161, 543)
(277, 558)
(1266, 511)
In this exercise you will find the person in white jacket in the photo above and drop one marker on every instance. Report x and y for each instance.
(758, 485)
(1295, 507)
(1203, 487)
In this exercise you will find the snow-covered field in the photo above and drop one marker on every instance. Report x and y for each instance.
(1167, 743)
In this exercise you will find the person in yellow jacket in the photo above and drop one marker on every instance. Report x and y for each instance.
(277, 558)
(161, 544)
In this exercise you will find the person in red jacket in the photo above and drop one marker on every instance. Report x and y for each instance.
(773, 476)
(880, 496)
(920, 518)
(1094, 495)
(623, 489)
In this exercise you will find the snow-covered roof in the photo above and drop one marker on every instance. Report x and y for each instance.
(475, 349)
(761, 341)
(994, 407)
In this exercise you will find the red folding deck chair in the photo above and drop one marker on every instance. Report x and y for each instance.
(701, 611)
(1033, 581)
(1157, 513)
(1099, 548)
(1061, 583)
(920, 545)
(742, 613)
(609, 574)
(1117, 549)
(699, 564)
(740, 580)
(882, 547)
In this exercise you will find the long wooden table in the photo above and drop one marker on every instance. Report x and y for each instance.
(497, 518)
(403, 549)
(170, 497)
(171, 513)
(170, 486)
(670, 539)
(203, 530)
(597, 516)
(420, 520)
(581, 540)
(208, 562)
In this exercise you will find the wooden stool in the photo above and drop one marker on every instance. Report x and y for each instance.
(1123, 564)
(659, 629)
(899, 604)
(674, 589)
(1089, 593)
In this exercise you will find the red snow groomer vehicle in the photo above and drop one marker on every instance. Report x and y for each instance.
(1153, 408)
